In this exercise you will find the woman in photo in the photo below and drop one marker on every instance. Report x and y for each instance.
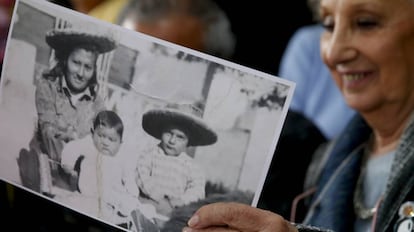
(66, 95)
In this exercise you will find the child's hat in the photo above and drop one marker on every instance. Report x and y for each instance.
(185, 116)
(66, 38)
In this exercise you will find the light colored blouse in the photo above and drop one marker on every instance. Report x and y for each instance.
(174, 177)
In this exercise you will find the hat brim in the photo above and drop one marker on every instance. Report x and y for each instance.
(154, 122)
(64, 39)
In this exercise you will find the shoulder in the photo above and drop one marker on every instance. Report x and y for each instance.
(96, 103)
(185, 157)
(188, 161)
(151, 150)
(148, 153)
(43, 81)
(47, 82)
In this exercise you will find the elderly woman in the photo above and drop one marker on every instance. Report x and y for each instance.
(66, 96)
(367, 182)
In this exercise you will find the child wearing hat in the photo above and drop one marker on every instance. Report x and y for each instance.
(167, 176)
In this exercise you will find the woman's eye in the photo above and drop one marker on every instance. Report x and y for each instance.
(328, 24)
(366, 23)
(328, 27)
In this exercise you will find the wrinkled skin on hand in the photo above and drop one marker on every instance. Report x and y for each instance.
(231, 217)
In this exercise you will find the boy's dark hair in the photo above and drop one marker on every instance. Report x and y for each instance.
(108, 118)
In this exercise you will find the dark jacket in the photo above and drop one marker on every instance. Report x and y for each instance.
(332, 205)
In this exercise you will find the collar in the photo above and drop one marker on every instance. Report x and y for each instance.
(75, 98)
(161, 152)
(355, 134)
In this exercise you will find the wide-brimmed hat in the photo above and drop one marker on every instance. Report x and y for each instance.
(188, 117)
(67, 38)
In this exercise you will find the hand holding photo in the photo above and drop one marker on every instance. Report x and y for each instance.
(129, 129)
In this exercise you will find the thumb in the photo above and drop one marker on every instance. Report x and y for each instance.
(238, 217)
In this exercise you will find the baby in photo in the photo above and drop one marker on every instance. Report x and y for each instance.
(93, 166)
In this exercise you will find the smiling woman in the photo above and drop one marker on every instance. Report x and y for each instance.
(369, 52)
(366, 181)
(66, 96)
(80, 70)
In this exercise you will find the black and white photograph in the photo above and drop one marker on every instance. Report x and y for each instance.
(126, 128)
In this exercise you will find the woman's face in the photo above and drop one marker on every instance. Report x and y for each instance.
(80, 67)
(369, 48)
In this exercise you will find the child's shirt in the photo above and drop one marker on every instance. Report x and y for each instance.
(175, 177)
(100, 180)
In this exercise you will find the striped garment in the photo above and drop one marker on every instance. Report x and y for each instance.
(177, 178)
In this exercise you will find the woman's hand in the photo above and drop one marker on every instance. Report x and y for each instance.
(222, 217)
(65, 133)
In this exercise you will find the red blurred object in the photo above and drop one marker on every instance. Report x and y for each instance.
(6, 9)
(6, 3)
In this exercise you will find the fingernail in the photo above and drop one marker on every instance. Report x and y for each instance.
(193, 221)
(186, 229)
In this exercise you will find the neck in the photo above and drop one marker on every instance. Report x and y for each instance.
(380, 147)
(388, 127)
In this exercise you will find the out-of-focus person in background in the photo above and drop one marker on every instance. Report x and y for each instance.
(198, 24)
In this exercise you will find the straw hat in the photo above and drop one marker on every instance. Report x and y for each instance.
(188, 117)
(68, 38)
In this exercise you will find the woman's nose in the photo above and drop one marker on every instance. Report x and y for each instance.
(337, 47)
(81, 71)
